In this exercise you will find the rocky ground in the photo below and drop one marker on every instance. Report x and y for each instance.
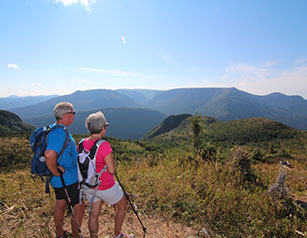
(155, 227)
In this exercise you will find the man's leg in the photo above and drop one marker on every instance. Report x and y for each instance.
(76, 221)
(59, 216)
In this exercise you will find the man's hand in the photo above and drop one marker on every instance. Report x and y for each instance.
(62, 169)
(52, 162)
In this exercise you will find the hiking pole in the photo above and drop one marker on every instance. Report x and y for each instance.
(128, 198)
(71, 209)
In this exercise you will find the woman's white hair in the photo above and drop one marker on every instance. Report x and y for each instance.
(95, 122)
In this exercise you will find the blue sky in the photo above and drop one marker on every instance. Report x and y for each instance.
(60, 46)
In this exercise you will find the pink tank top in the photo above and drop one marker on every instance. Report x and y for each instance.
(107, 179)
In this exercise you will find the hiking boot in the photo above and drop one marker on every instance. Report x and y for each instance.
(65, 235)
(122, 235)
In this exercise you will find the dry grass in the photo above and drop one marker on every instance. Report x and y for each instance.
(172, 187)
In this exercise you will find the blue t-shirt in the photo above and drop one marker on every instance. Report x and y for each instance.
(68, 160)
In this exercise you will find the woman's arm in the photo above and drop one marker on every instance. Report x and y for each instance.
(110, 163)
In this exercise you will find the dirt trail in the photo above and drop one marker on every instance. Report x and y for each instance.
(156, 228)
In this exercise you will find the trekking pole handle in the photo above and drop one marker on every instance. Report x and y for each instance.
(64, 186)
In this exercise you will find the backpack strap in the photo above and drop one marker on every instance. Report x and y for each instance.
(80, 146)
(94, 149)
(66, 140)
(98, 143)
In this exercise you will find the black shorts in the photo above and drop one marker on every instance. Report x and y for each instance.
(73, 193)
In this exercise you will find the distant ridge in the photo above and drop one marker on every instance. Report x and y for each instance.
(139, 96)
(13, 101)
(230, 104)
(82, 101)
(11, 124)
(221, 103)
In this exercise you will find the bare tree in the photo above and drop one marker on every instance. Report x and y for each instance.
(279, 189)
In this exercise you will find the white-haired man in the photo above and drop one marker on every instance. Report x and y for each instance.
(67, 163)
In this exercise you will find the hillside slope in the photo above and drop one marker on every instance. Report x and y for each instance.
(82, 101)
(260, 131)
(11, 124)
(167, 125)
(125, 123)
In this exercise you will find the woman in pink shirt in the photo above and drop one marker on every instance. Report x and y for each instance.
(108, 191)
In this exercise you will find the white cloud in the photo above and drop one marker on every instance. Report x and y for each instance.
(13, 66)
(124, 40)
(112, 73)
(267, 79)
(84, 3)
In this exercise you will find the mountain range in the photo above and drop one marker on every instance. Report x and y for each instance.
(221, 103)
(16, 101)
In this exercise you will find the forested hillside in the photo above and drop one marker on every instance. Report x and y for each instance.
(11, 124)
(254, 133)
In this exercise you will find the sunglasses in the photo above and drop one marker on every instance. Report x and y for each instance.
(73, 112)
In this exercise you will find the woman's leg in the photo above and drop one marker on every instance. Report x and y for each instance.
(93, 219)
(120, 214)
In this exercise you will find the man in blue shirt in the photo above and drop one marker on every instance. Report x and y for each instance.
(67, 163)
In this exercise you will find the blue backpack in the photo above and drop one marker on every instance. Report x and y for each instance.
(39, 141)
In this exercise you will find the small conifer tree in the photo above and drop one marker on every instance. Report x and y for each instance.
(196, 130)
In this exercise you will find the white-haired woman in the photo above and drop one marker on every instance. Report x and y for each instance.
(108, 191)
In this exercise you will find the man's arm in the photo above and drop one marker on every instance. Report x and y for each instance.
(51, 161)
